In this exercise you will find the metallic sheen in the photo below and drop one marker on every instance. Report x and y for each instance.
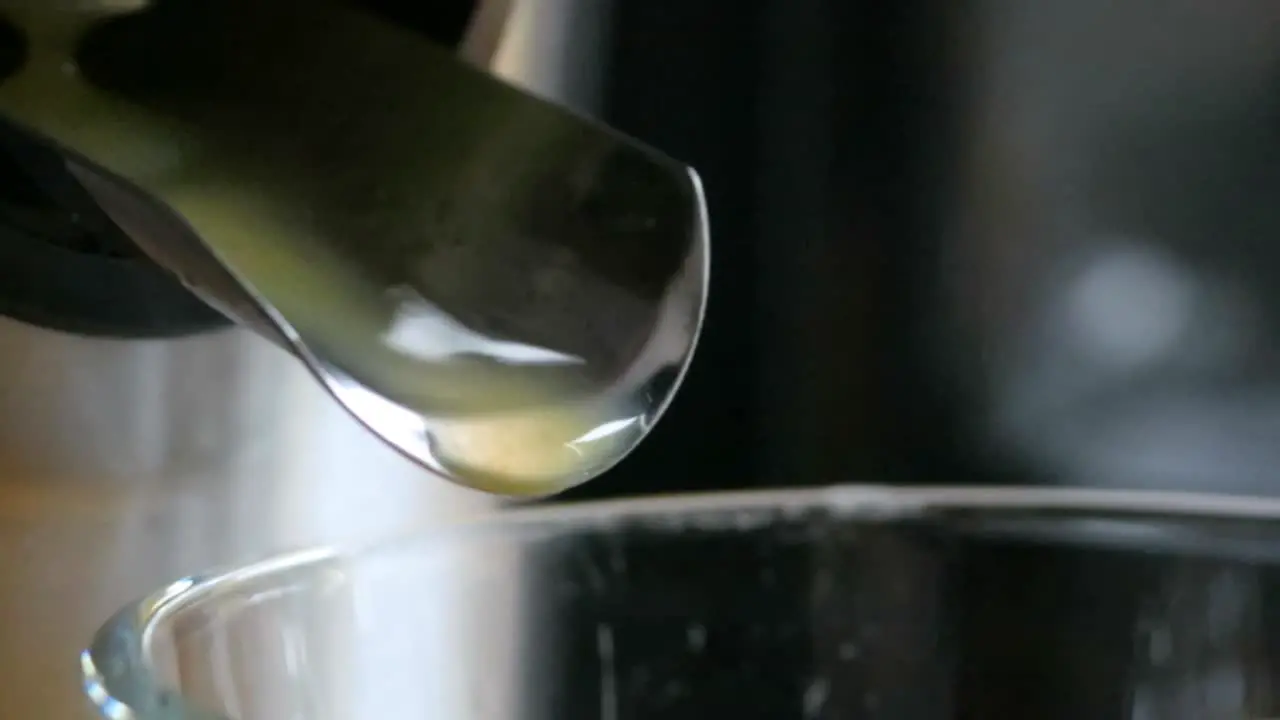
(126, 463)
(285, 164)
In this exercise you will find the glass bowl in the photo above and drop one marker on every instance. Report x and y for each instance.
(847, 602)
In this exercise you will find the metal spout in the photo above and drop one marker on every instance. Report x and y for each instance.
(507, 293)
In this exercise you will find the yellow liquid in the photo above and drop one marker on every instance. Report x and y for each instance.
(498, 427)
(287, 217)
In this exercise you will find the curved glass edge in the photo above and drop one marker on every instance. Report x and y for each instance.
(116, 668)
(116, 674)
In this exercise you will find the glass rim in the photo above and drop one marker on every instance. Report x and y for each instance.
(115, 668)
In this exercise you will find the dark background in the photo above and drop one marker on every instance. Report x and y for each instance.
(802, 119)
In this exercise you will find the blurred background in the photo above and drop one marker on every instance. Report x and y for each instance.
(967, 242)
(954, 242)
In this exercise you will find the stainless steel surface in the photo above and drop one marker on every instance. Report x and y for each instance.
(840, 602)
(452, 273)
(125, 463)
(559, 50)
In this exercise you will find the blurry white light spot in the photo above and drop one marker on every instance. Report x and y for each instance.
(1131, 307)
